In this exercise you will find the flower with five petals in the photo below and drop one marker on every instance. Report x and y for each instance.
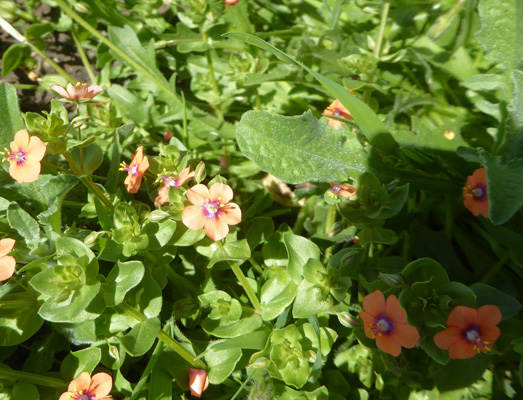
(337, 109)
(198, 381)
(211, 210)
(386, 322)
(169, 181)
(24, 157)
(7, 263)
(80, 91)
(469, 331)
(135, 170)
(475, 193)
(86, 388)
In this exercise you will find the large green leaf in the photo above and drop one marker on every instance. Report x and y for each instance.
(370, 124)
(10, 117)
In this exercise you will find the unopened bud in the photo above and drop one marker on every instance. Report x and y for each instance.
(200, 173)
(347, 320)
(92, 239)
(80, 8)
(261, 363)
(391, 279)
(80, 121)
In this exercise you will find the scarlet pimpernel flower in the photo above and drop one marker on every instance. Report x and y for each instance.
(24, 157)
(80, 91)
(169, 181)
(338, 110)
(136, 169)
(211, 210)
(386, 322)
(475, 193)
(340, 190)
(198, 381)
(469, 331)
(7, 263)
(86, 387)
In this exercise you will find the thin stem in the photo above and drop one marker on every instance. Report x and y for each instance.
(169, 341)
(32, 378)
(13, 304)
(377, 48)
(80, 138)
(83, 56)
(214, 83)
(329, 223)
(245, 284)
(57, 167)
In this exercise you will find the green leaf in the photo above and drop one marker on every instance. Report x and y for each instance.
(377, 235)
(500, 33)
(13, 56)
(10, 116)
(253, 341)
(23, 391)
(461, 373)
(370, 124)
(512, 146)
(76, 362)
(92, 157)
(236, 250)
(310, 300)
(122, 278)
(485, 295)
(299, 149)
(300, 250)
(142, 337)
(25, 225)
(17, 324)
(221, 364)
(276, 294)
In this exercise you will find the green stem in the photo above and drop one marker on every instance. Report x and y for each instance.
(245, 284)
(377, 48)
(495, 270)
(329, 224)
(13, 304)
(32, 378)
(83, 57)
(169, 341)
(214, 83)
(86, 180)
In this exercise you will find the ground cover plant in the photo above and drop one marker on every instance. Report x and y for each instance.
(289, 199)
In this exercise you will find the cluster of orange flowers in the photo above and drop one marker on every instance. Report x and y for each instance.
(99, 386)
(469, 331)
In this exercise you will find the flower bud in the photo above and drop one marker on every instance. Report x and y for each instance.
(347, 320)
(198, 381)
(200, 173)
(391, 279)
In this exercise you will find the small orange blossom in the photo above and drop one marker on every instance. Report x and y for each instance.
(475, 193)
(387, 323)
(80, 91)
(211, 210)
(7, 263)
(169, 181)
(469, 331)
(338, 110)
(138, 166)
(86, 388)
(341, 190)
(198, 381)
(24, 157)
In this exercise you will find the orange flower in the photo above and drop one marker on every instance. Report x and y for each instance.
(24, 157)
(341, 190)
(86, 388)
(198, 381)
(338, 110)
(138, 166)
(469, 331)
(475, 193)
(79, 92)
(168, 181)
(211, 210)
(7, 263)
(387, 323)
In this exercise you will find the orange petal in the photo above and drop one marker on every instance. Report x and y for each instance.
(80, 383)
(489, 315)
(132, 183)
(7, 267)
(221, 191)
(193, 217)
(334, 123)
(25, 173)
(163, 196)
(184, 176)
(94, 90)
(462, 350)
(394, 311)
(445, 339)
(36, 149)
(22, 139)
(144, 165)
(6, 245)
(198, 381)
(489, 334)
(216, 229)
(462, 317)
(101, 384)
(368, 322)
(197, 194)
(231, 214)
(387, 344)
(60, 90)
(406, 335)
(374, 304)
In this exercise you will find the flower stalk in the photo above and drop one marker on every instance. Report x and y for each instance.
(32, 378)
(245, 284)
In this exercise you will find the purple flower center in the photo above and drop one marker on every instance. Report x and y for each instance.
(479, 192)
(212, 208)
(19, 156)
(473, 336)
(83, 395)
(336, 190)
(382, 325)
(337, 112)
